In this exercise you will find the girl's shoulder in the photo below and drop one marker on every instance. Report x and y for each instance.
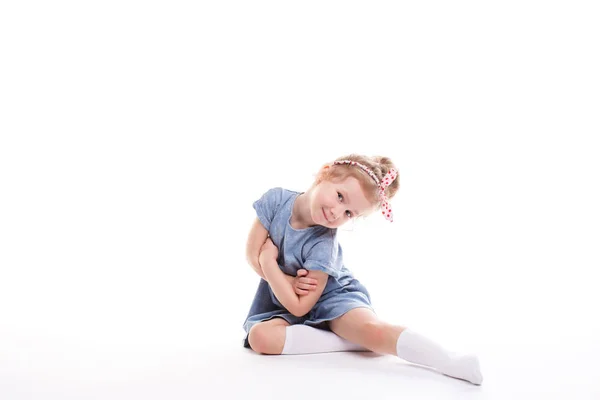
(280, 194)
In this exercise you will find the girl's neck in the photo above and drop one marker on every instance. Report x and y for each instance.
(301, 212)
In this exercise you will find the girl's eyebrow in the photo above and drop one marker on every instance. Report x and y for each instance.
(347, 198)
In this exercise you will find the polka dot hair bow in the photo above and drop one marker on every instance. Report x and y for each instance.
(386, 208)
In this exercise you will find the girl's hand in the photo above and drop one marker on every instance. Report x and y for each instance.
(302, 285)
(268, 252)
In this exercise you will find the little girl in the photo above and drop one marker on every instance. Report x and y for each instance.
(306, 292)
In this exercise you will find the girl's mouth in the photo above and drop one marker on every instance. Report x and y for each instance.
(325, 215)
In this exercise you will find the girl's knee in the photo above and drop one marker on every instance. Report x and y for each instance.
(264, 339)
(257, 338)
(375, 331)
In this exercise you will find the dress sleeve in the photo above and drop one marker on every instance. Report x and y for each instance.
(267, 206)
(323, 256)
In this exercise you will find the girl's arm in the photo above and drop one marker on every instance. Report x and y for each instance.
(282, 286)
(256, 238)
(301, 283)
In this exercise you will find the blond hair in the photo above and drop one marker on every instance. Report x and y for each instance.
(378, 164)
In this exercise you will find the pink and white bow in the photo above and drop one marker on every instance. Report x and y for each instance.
(386, 208)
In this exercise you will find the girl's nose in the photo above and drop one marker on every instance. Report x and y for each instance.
(337, 211)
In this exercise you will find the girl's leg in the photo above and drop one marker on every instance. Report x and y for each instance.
(277, 336)
(268, 337)
(363, 327)
(304, 339)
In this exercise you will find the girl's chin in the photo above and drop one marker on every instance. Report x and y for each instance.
(313, 220)
(317, 218)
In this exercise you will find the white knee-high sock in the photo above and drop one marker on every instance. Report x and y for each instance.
(418, 349)
(304, 339)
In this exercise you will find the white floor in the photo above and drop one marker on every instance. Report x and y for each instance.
(221, 368)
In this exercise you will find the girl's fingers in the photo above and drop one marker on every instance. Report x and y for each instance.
(306, 286)
(308, 281)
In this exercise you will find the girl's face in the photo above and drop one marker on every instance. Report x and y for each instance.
(334, 203)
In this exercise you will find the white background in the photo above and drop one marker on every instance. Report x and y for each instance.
(134, 137)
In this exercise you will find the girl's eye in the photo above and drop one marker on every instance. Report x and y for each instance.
(340, 197)
(348, 214)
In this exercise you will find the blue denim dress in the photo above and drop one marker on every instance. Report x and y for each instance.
(315, 248)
